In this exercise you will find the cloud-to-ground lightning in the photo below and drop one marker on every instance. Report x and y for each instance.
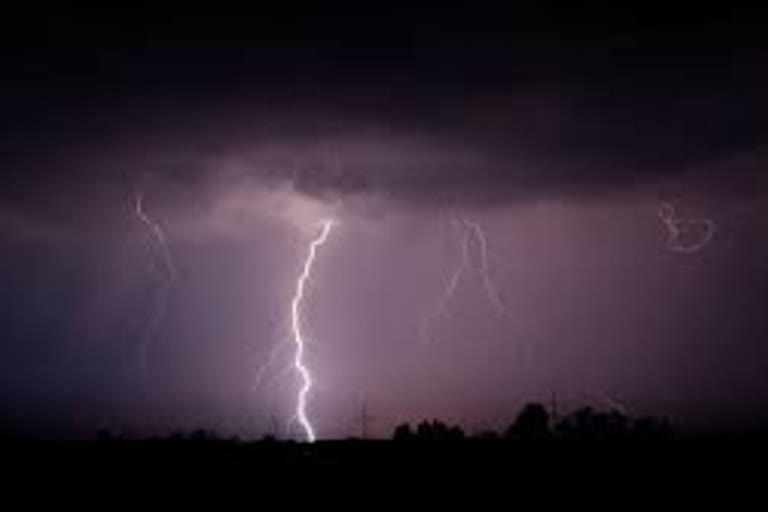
(161, 306)
(158, 234)
(451, 288)
(490, 288)
(470, 230)
(298, 337)
(676, 226)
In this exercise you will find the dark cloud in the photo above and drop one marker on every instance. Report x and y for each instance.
(550, 120)
(597, 135)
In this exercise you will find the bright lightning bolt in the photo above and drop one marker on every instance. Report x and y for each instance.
(675, 228)
(157, 233)
(470, 229)
(298, 361)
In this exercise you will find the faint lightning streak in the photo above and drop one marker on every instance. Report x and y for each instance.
(157, 231)
(298, 361)
(674, 225)
(449, 290)
(470, 229)
(490, 287)
(612, 403)
(273, 354)
(161, 307)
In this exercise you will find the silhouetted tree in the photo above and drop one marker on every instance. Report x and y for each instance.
(488, 435)
(203, 435)
(437, 431)
(585, 423)
(616, 425)
(531, 423)
(403, 433)
(577, 425)
(651, 428)
(456, 433)
(424, 431)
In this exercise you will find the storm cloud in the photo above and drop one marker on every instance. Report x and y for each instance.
(455, 122)
(560, 139)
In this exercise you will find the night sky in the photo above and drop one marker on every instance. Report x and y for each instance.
(560, 133)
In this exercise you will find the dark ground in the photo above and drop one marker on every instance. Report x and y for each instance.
(515, 455)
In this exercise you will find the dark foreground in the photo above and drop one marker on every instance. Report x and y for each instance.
(174, 454)
(534, 440)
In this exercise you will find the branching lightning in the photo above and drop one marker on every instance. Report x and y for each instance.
(490, 287)
(676, 226)
(158, 234)
(274, 358)
(298, 361)
(450, 289)
(274, 353)
(161, 306)
(470, 230)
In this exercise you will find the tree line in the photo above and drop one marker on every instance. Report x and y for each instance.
(534, 422)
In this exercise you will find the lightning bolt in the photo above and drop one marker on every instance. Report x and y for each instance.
(675, 226)
(485, 272)
(264, 381)
(161, 306)
(298, 361)
(470, 230)
(450, 289)
(273, 356)
(157, 232)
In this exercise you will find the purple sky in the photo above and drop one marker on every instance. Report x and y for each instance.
(562, 152)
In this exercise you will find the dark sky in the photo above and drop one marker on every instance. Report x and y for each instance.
(560, 132)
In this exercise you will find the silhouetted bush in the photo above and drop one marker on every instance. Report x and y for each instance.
(456, 433)
(429, 431)
(531, 423)
(403, 433)
(534, 423)
(651, 428)
(585, 423)
(488, 435)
